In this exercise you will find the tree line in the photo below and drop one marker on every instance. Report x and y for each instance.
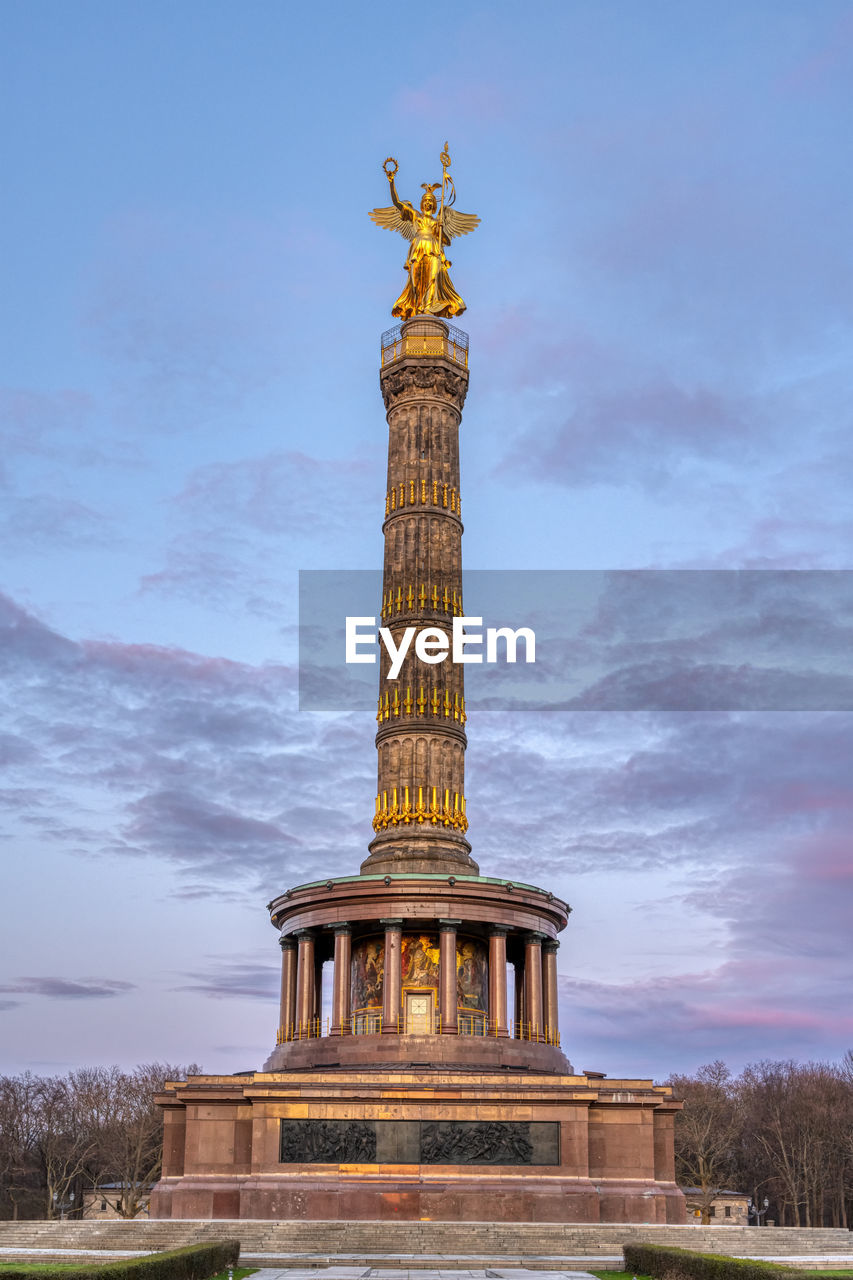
(61, 1136)
(780, 1130)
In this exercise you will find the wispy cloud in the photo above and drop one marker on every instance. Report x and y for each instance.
(199, 761)
(229, 520)
(36, 422)
(68, 989)
(43, 520)
(647, 431)
(280, 493)
(596, 792)
(244, 979)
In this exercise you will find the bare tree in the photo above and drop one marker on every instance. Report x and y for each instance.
(20, 1180)
(126, 1130)
(97, 1126)
(64, 1141)
(845, 1133)
(798, 1118)
(705, 1133)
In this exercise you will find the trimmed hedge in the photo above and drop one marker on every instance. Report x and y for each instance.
(665, 1263)
(192, 1262)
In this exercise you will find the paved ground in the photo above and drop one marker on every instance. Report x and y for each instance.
(357, 1265)
(821, 1261)
(84, 1253)
(417, 1267)
(377, 1273)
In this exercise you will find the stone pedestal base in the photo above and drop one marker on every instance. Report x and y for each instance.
(368, 1053)
(395, 1195)
(527, 1147)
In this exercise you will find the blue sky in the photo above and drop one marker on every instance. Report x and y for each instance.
(192, 297)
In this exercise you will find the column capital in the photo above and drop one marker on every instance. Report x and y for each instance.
(343, 926)
(426, 381)
(449, 926)
(287, 942)
(535, 938)
(498, 930)
(391, 924)
(304, 935)
(551, 946)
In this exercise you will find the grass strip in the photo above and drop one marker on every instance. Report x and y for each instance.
(192, 1262)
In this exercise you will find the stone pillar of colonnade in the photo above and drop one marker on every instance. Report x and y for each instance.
(306, 998)
(341, 982)
(533, 986)
(550, 1011)
(498, 1015)
(447, 998)
(392, 982)
(287, 1011)
(518, 1002)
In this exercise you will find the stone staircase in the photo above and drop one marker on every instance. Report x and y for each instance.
(423, 1245)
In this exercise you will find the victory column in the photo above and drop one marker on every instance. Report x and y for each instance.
(423, 1095)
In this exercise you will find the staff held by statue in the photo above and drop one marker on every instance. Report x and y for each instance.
(445, 179)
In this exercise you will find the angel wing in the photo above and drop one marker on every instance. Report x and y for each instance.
(391, 219)
(455, 223)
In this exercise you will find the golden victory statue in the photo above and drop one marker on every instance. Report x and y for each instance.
(429, 291)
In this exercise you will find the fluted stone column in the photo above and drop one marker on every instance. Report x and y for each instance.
(497, 982)
(342, 980)
(287, 1011)
(392, 981)
(447, 976)
(420, 820)
(533, 985)
(549, 989)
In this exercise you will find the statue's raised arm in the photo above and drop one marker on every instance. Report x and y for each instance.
(403, 207)
(429, 290)
(398, 216)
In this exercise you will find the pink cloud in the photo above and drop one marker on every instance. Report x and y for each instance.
(756, 1015)
(827, 857)
(740, 1012)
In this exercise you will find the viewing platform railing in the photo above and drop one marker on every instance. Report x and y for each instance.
(469, 1022)
(422, 340)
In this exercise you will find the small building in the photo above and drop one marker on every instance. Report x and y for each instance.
(728, 1208)
(104, 1201)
